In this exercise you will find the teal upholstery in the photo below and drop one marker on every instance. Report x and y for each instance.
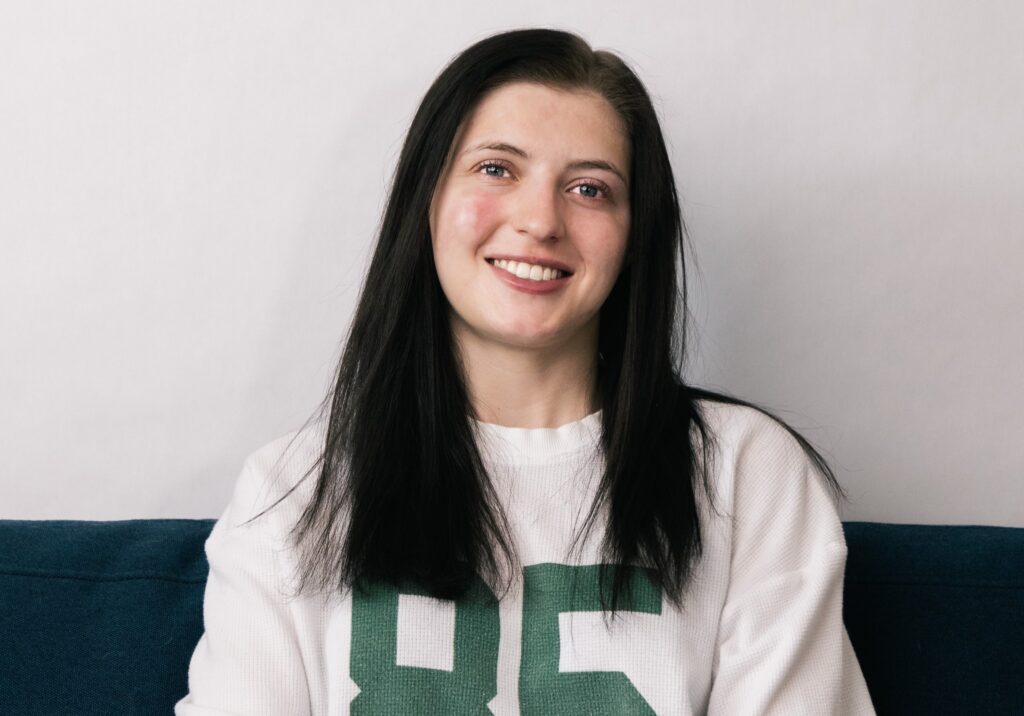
(936, 616)
(102, 617)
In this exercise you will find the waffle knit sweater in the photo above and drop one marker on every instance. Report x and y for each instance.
(760, 630)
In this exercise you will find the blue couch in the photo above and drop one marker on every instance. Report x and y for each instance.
(102, 617)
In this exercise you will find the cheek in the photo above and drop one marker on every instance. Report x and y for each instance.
(474, 217)
(606, 250)
(464, 223)
(613, 267)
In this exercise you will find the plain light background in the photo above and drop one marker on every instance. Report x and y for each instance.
(189, 193)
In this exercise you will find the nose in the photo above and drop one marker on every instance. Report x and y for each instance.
(537, 211)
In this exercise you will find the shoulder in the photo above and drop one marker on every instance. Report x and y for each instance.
(762, 465)
(782, 515)
(291, 451)
(283, 470)
(739, 429)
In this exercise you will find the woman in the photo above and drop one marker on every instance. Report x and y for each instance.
(518, 505)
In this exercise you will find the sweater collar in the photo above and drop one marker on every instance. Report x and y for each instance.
(507, 444)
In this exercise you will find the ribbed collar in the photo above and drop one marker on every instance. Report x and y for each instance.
(536, 445)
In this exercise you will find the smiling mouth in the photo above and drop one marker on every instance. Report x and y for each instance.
(531, 272)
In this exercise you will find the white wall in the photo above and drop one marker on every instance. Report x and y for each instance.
(188, 192)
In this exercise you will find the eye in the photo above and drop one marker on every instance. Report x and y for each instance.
(600, 189)
(493, 164)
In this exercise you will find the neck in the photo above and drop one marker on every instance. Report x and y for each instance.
(530, 387)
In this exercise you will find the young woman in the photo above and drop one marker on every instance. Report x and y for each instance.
(511, 502)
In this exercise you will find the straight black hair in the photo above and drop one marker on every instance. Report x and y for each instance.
(402, 495)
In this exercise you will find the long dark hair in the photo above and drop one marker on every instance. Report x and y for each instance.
(402, 494)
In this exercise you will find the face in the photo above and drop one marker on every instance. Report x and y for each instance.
(537, 184)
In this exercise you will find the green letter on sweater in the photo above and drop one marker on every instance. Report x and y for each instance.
(551, 589)
(389, 688)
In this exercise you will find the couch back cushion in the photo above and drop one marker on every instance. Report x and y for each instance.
(99, 617)
(102, 617)
(936, 616)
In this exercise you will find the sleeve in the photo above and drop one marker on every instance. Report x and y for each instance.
(248, 659)
(782, 645)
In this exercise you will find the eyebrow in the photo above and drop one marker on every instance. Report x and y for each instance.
(578, 164)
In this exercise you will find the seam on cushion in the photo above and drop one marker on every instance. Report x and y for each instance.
(86, 577)
(912, 582)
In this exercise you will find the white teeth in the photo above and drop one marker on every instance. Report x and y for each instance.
(528, 271)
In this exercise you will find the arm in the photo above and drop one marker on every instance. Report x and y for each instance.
(782, 645)
(248, 660)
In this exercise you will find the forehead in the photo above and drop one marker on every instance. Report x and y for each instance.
(545, 118)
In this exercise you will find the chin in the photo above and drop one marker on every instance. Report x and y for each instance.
(530, 339)
(518, 332)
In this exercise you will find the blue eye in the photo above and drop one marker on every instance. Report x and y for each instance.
(602, 192)
(493, 165)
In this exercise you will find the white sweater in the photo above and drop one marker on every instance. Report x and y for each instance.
(760, 631)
